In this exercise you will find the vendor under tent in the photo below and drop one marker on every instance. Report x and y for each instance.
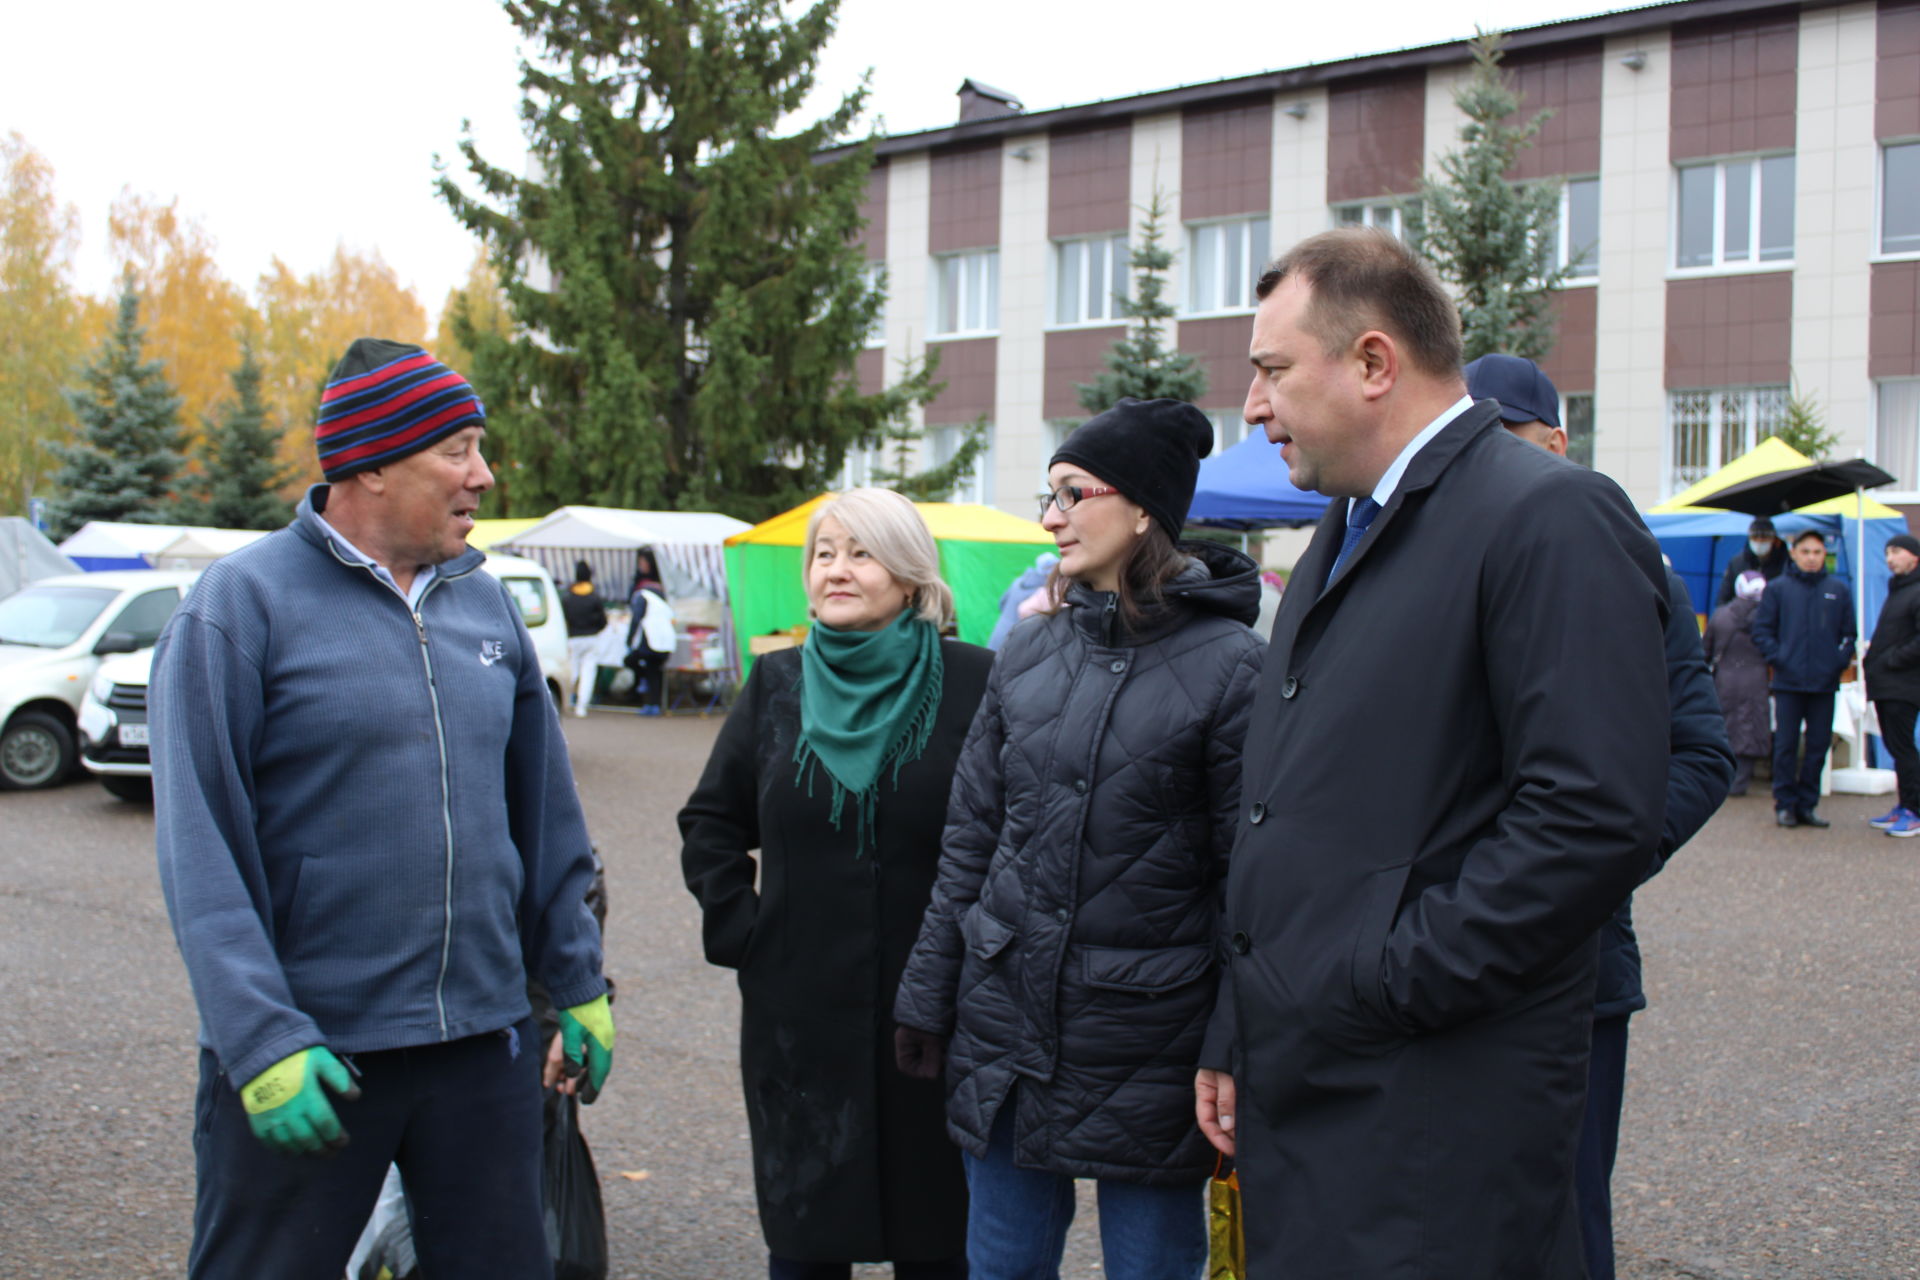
(26, 555)
(197, 547)
(982, 549)
(109, 544)
(1247, 487)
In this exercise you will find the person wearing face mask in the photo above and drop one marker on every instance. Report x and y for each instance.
(1764, 553)
(1067, 964)
(835, 765)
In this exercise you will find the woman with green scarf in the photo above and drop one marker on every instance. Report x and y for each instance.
(835, 765)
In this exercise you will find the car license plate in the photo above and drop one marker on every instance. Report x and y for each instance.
(133, 735)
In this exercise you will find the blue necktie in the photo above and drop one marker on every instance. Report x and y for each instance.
(1359, 516)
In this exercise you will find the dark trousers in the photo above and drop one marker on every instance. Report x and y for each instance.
(1599, 1141)
(1796, 783)
(1896, 730)
(462, 1120)
(779, 1268)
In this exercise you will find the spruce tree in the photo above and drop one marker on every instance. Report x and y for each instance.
(126, 446)
(1141, 364)
(1805, 427)
(686, 286)
(898, 444)
(1492, 238)
(240, 467)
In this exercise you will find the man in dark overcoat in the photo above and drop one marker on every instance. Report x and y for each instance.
(1431, 835)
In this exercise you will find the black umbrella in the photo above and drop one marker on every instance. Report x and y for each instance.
(1796, 487)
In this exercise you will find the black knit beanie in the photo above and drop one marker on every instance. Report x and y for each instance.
(1149, 450)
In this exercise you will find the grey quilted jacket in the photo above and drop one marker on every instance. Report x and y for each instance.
(1069, 944)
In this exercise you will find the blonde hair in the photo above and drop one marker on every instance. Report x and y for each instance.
(891, 530)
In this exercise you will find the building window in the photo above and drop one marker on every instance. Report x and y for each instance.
(876, 277)
(1223, 261)
(1388, 215)
(1229, 429)
(1712, 428)
(1900, 198)
(946, 441)
(1576, 415)
(858, 470)
(1734, 213)
(1089, 279)
(966, 293)
(1579, 229)
(1896, 435)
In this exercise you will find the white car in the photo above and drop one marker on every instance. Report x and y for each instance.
(113, 715)
(53, 635)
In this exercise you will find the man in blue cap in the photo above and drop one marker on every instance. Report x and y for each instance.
(1699, 771)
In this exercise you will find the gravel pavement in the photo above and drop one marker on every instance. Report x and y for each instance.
(1773, 1111)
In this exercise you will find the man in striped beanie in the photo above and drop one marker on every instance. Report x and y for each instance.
(369, 841)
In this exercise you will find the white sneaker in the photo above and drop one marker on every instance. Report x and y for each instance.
(580, 713)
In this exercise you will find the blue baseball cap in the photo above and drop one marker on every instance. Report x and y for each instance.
(1525, 392)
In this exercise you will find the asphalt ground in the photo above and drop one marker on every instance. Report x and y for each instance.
(1773, 1112)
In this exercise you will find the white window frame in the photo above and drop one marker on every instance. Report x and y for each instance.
(1087, 249)
(1721, 265)
(1881, 252)
(1388, 213)
(1769, 400)
(979, 271)
(1880, 454)
(875, 274)
(1566, 420)
(943, 441)
(1229, 429)
(1255, 249)
(856, 472)
(1563, 234)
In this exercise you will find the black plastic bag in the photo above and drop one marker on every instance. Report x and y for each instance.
(570, 1198)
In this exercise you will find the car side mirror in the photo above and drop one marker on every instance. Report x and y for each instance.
(117, 642)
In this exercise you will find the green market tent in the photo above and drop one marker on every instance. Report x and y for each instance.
(982, 549)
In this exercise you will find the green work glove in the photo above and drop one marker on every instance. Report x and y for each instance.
(586, 1036)
(286, 1108)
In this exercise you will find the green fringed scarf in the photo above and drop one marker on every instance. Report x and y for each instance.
(867, 699)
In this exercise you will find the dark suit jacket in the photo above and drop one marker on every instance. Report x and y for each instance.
(1456, 772)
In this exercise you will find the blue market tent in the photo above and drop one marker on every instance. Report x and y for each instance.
(1700, 544)
(1246, 487)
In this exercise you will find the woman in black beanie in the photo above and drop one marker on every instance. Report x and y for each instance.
(1065, 970)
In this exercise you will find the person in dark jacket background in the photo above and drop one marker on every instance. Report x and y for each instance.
(1740, 678)
(1433, 835)
(1893, 681)
(1699, 766)
(1805, 630)
(836, 765)
(1764, 554)
(1069, 951)
(586, 615)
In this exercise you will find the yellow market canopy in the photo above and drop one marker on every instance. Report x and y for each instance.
(1770, 455)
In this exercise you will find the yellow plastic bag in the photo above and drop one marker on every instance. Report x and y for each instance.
(1226, 1234)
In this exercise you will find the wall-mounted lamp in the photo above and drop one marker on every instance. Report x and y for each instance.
(1021, 153)
(1298, 110)
(1635, 61)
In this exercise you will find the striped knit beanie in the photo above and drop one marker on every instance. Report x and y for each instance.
(386, 400)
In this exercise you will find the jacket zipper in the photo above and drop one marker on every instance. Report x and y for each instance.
(446, 809)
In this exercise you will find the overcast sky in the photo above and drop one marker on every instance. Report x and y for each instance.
(288, 129)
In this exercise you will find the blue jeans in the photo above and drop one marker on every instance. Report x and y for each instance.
(1017, 1220)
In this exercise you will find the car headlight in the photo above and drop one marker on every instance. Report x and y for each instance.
(101, 689)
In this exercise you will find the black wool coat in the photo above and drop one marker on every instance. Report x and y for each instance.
(1456, 772)
(1070, 947)
(1893, 660)
(1740, 677)
(851, 1160)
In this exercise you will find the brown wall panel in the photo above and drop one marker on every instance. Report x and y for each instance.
(1893, 332)
(1566, 83)
(1897, 92)
(965, 198)
(1221, 347)
(870, 370)
(1226, 159)
(967, 367)
(1570, 363)
(1730, 331)
(1088, 179)
(873, 236)
(1074, 356)
(1376, 136)
(1734, 85)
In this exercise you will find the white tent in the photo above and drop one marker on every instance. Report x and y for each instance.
(686, 543)
(199, 547)
(110, 544)
(26, 555)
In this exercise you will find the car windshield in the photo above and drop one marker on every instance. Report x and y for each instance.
(51, 617)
